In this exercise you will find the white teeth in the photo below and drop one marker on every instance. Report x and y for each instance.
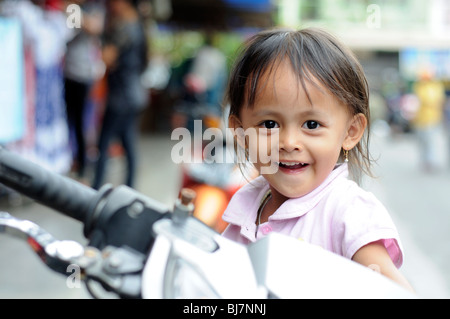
(290, 163)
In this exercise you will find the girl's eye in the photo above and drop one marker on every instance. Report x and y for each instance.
(269, 124)
(311, 125)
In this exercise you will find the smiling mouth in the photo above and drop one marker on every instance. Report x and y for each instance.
(292, 165)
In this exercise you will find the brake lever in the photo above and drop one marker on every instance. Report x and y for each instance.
(56, 254)
(118, 269)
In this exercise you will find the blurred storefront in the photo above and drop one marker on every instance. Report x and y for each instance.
(375, 24)
(395, 40)
(220, 14)
(415, 33)
(179, 29)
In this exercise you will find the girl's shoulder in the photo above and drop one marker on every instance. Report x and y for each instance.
(360, 218)
(350, 194)
(355, 209)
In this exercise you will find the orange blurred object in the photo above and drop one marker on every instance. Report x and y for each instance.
(210, 203)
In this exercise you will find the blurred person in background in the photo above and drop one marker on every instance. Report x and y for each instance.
(83, 66)
(447, 120)
(203, 87)
(125, 57)
(429, 118)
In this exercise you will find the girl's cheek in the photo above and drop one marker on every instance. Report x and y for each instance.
(263, 152)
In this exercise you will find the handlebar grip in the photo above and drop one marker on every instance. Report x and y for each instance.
(50, 189)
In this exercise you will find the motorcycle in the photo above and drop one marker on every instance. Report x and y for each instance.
(140, 248)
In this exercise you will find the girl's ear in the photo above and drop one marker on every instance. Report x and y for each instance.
(355, 131)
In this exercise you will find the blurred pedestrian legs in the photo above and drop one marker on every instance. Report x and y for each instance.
(429, 118)
(83, 66)
(124, 53)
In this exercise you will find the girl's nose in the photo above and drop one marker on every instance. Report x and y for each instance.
(290, 141)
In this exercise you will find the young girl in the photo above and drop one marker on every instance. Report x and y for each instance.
(306, 91)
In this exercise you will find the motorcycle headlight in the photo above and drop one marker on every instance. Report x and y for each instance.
(183, 281)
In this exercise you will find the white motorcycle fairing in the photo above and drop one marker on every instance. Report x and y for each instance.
(191, 261)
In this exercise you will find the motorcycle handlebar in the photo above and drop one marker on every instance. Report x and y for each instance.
(50, 189)
(117, 221)
(111, 216)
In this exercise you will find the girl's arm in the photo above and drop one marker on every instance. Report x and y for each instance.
(376, 257)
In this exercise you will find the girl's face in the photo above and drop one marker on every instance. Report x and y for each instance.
(310, 137)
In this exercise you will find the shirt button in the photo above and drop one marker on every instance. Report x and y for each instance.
(266, 229)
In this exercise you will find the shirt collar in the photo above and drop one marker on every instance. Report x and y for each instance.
(243, 207)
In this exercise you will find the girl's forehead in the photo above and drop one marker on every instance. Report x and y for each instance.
(283, 89)
(282, 81)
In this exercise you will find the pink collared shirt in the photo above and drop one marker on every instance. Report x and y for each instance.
(338, 216)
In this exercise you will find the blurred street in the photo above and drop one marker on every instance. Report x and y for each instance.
(419, 204)
(417, 201)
